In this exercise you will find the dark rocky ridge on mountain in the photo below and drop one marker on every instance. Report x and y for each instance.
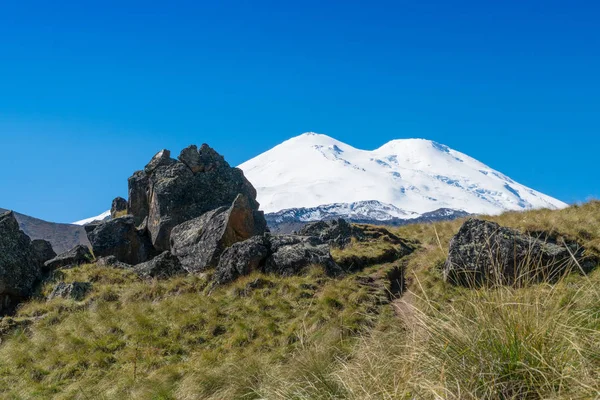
(63, 237)
(293, 220)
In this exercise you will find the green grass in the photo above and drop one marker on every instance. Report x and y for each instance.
(316, 337)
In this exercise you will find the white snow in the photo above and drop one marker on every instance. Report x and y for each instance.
(414, 175)
(100, 217)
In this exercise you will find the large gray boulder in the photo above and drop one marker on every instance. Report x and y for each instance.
(337, 232)
(42, 250)
(78, 255)
(291, 254)
(242, 258)
(20, 267)
(484, 253)
(170, 192)
(163, 266)
(120, 237)
(198, 243)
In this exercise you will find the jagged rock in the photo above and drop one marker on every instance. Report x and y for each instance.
(42, 250)
(336, 232)
(19, 264)
(119, 237)
(242, 258)
(290, 254)
(163, 266)
(118, 208)
(484, 253)
(170, 192)
(198, 243)
(137, 204)
(78, 255)
(76, 290)
(111, 261)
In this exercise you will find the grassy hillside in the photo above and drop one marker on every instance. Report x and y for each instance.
(316, 337)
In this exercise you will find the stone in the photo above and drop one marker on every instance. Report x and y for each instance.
(291, 254)
(337, 232)
(242, 258)
(111, 261)
(42, 250)
(170, 192)
(120, 237)
(118, 208)
(20, 268)
(78, 255)
(198, 243)
(163, 266)
(75, 290)
(484, 253)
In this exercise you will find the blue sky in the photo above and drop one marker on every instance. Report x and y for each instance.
(89, 92)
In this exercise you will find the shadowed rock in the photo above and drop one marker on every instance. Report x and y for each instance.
(76, 256)
(336, 232)
(163, 266)
(118, 207)
(290, 254)
(242, 258)
(484, 253)
(75, 290)
(198, 243)
(170, 192)
(20, 267)
(119, 237)
(42, 250)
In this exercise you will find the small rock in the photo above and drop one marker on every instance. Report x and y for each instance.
(78, 255)
(161, 158)
(118, 208)
(111, 261)
(162, 266)
(76, 290)
(337, 232)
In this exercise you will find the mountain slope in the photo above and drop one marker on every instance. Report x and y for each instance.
(414, 175)
(63, 237)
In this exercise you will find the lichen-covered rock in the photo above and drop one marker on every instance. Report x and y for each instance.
(484, 253)
(75, 290)
(20, 267)
(169, 192)
(198, 243)
(111, 261)
(291, 254)
(242, 258)
(163, 266)
(118, 207)
(120, 237)
(42, 250)
(78, 255)
(337, 232)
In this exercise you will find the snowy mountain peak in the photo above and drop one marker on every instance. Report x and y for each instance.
(415, 175)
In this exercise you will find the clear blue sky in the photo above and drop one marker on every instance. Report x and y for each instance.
(89, 91)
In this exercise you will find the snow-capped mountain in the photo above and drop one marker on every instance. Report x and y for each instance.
(104, 216)
(415, 176)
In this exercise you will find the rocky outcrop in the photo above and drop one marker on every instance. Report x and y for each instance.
(20, 266)
(118, 207)
(75, 290)
(279, 254)
(76, 256)
(198, 243)
(163, 266)
(484, 253)
(170, 192)
(120, 237)
(336, 232)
